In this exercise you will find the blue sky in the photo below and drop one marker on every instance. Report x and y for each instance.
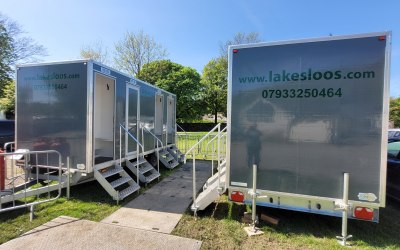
(192, 30)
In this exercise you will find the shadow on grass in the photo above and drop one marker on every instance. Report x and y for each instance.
(384, 234)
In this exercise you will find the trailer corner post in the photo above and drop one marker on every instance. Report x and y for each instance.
(342, 240)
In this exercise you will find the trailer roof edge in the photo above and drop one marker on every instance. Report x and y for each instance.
(309, 40)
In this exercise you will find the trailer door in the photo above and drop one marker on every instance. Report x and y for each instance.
(132, 118)
(158, 120)
(170, 120)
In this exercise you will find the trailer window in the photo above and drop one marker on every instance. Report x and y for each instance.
(393, 149)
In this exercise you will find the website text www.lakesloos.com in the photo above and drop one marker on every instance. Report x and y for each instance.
(309, 75)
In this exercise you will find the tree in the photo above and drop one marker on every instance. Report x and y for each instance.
(180, 80)
(14, 48)
(215, 80)
(135, 50)
(394, 113)
(238, 38)
(7, 102)
(215, 74)
(95, 52)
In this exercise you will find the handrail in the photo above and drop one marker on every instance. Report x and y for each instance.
(158, 140)
(142, 126)
(186, 135)
(11, 144)
(218, 136)
(181, 128)
(202, 139)
(132, 136)
(138, 144)
(22, 190)
(224, 130)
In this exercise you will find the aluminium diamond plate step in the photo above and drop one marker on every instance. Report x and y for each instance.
(116, 181)
(127, 191)
(147, 172)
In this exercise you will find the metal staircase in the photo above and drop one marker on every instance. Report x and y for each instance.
(116, 181)
(176, 153)
(216, 184)
(167, 159)
(212, 190)
(147, 173)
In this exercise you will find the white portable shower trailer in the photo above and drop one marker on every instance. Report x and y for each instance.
(104, 121)
(312, 115)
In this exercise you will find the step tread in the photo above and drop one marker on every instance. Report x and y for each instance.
(168, 158)
(172, 164)
(112, 171)
(141, 161)
(145, 168)
(152, 177)
(120, 181)
(129, 190)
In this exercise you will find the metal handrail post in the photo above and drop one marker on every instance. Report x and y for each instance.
(68, 179)
(218, 155)
(212, 161)
(158, 158)
(202, 139)
(194, 183)
(120, 145)
(186, 134)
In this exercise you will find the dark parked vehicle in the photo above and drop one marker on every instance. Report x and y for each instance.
(394, 134)
(393, 170)
(6, 132)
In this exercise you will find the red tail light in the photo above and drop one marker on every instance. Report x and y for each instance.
(363, 213)
(237, 196)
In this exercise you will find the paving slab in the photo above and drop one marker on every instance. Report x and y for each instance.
(71, 233)
(160, 208)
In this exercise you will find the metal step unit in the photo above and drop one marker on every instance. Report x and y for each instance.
(147, 173)
(176, 153)
(167, 159)
(212, 190)
(115, 180)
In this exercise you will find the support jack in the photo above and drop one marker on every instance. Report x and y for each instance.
(253, 230)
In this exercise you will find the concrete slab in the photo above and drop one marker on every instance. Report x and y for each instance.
(160, 208)
(71, 233)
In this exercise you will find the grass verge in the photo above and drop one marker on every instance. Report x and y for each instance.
(219, 227)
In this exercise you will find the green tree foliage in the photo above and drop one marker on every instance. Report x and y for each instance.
(14, 48)
(135, 50)
(95, 52)
(214, 78)
(215, 74)
(7, 102)
(180, 80)
(7, 56)
(394, 113)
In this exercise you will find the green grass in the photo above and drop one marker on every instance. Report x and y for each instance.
(219, 227)
(88, 201)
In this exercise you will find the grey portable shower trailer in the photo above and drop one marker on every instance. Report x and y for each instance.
(312, 115)
(101, 119)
